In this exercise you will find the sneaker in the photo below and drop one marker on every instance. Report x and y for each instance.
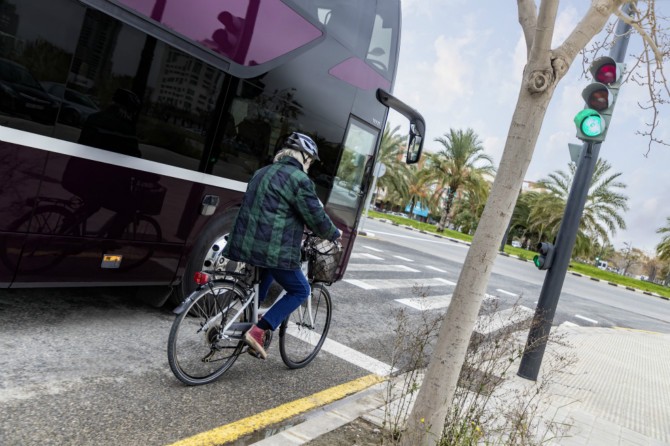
(254, 339)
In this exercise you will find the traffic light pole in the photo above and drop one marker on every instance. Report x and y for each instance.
(567, 235)
(553, 281)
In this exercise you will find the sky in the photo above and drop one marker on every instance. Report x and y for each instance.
(460, 66)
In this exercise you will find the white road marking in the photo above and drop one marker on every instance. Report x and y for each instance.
(427, 303)
(364, 255)
(586, 319)
(378, 267)
(403, 258)
(507, 292)
(361, 284)
(570, 324)
(348, 354)
(380, 284)
(435, 269)
(372, 249)
(423, 239)
(448, 282)
(432, 302)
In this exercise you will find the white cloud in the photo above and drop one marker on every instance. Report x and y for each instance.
(565, 23)
(452, 74)
(494, 146)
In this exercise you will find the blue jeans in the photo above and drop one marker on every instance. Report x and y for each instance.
(297, 291)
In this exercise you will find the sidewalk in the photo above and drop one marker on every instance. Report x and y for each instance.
(617, 393)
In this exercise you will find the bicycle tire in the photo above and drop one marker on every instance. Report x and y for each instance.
(198, 356)
(301, 337)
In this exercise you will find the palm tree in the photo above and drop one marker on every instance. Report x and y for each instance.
(461, 163)
(468, 210)
(602, 210)
(521, 225)
(663, 248)
(417, 191)
(391, 151)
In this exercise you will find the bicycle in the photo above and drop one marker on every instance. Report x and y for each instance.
(207, 335)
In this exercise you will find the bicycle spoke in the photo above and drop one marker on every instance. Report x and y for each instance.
(198, 349)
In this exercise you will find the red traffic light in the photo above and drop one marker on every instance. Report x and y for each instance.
(606, 73)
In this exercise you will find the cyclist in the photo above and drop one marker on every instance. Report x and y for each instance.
(279, 202)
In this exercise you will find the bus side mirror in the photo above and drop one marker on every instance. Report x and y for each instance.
(414, 146)
(417, 127)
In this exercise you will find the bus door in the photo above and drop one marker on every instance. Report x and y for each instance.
(353, 173)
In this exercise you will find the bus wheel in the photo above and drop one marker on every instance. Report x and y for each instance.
(205, 248)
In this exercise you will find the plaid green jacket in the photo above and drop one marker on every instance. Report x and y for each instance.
(280, 201)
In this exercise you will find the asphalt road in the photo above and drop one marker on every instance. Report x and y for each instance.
(89, 367)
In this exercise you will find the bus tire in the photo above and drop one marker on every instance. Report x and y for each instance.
(214, 232)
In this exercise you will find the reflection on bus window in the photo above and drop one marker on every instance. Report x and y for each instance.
(380, 45)
(256, 122)
(358, 149)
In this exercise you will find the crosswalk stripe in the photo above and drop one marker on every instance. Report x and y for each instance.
(379, 268)
(403, 258)
(432, 302)
(361, 284)
(507, 292)
(435, 269)
(427, 303)
(379, 284)
(372, 249)
(365, 255)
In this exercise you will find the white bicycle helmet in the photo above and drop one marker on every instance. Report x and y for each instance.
(302, 143)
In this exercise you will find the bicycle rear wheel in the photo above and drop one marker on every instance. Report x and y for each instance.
(304, 331)
(199, 350)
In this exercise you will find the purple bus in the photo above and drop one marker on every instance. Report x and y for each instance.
(130, 128)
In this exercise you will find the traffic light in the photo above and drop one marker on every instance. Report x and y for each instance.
(545, 256)
(600, 95)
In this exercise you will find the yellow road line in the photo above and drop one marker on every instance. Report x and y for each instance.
(246, 426)
(635, 329)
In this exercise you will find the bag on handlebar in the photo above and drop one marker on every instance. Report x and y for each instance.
(324, 261)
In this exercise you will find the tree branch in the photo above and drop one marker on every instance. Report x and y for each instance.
(657, 53)
(528, 21)
(593, 22)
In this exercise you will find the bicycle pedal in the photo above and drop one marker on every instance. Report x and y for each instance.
(254, 353)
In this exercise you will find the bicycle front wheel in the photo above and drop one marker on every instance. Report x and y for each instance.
(303, 332)
(206, 338)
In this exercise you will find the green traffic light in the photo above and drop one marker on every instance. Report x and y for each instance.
(589, 122)
(592, 126)
(536, 261)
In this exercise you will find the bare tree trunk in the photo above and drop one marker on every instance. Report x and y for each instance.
(445, 212)
(439, 385)
(542, 73)
(443, 219)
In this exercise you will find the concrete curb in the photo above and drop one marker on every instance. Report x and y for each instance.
(329, 418)
(383, 220)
